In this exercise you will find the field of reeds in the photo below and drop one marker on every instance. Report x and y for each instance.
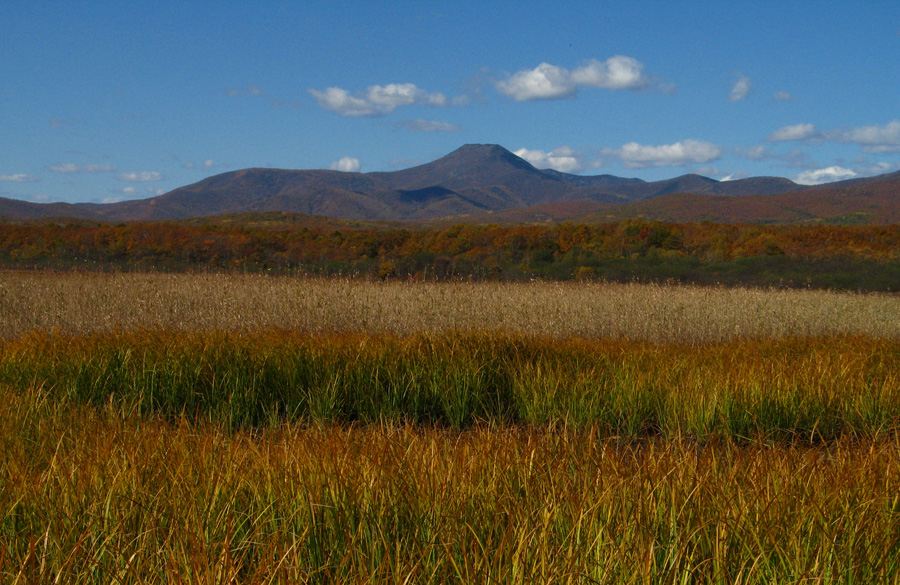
(245, 429)
(79, 303)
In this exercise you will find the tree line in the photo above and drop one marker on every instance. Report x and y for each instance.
(846, 257)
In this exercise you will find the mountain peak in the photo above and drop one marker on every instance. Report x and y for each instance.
(477, 153)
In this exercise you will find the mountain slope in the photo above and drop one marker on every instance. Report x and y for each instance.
(474, 180)
(873, 202)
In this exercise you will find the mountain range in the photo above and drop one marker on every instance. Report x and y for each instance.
(480, 182)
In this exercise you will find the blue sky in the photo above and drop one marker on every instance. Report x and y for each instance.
(105, 101)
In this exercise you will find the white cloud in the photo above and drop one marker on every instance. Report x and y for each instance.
(740, 89)
(20, 178)
(141, 177)
(71, 168)
(617, 72)
(348, 164)
(562, 159)
(872, 139)
(209, 164)
(392, 95)
(544, 82)
(637, 156)
(795, 133)
(826, 175)
(782, 96)
(550, 82)
(340, 101)
(734, 177)
(377, 100)
(420, 125)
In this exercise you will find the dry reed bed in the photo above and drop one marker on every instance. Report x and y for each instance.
(79, 303)
(88, 496)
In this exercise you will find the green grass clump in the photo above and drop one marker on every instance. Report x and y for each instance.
(811, 389)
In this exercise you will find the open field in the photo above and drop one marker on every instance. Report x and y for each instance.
(78, 303)
(245, 429)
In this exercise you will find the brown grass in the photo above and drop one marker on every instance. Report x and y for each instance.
(80, 303)
(90, 497)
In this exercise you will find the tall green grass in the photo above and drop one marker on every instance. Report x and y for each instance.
(90, 496)
(810, 389)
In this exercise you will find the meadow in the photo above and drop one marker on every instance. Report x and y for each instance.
(213, 428)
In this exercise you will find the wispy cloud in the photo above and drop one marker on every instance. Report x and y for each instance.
(782, 96)
(796, 133)
(563, 159)
(879, 168)
(755, 153)
(72, 168)
(132, 193)
(873, 139)
(348, 164)
(420, 125)
(141, 177)
(20, 178)
(253, 90)
(377, 100)
(740, 89)
(636, 156)
(549, 82)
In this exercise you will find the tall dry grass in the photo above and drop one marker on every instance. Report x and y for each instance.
(179, 429)
(81, 303)
(88, 496)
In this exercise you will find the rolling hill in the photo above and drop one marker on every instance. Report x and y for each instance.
(873, 202)
(483, 182)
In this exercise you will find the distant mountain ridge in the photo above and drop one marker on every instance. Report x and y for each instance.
(474, 180)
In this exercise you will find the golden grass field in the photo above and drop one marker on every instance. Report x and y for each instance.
(78, 303)
(210, 428)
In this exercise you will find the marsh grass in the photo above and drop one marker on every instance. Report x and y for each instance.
(90, 496)
(235, 429)
(813, 389)
(78, 303)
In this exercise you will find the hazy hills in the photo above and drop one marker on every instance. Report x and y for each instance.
(489, 183)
